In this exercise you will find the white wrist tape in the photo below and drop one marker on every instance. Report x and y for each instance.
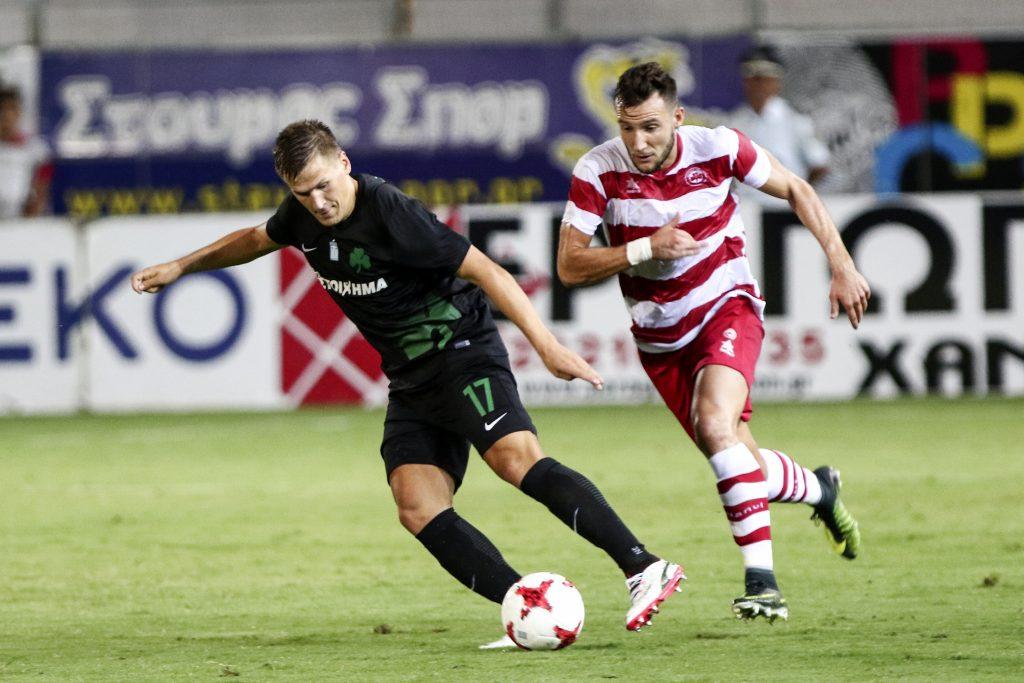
(638, 251)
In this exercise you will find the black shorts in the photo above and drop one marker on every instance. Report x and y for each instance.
(471, 399)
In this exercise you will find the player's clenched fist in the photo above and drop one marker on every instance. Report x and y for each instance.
(155, 278)
(669, 242)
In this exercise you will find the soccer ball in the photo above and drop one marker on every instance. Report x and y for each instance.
(542, 611)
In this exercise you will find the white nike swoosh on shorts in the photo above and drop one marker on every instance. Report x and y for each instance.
(488, 426)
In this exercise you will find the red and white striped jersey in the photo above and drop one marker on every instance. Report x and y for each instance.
(670, 301)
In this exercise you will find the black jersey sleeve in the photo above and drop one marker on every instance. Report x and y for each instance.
(280, 225)
(419, 239)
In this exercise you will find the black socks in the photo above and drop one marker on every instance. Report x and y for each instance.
(759, 580)
(466, 554)
(576, 501)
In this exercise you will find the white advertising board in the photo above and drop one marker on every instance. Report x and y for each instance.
(211, 340)
(39, 355)
(947, 316)
(933, 324)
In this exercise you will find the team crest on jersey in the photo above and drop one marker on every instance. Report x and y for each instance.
(359, 259)
(695, 176)
(632, 186)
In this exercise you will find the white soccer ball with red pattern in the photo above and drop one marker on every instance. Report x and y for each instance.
(542, 611)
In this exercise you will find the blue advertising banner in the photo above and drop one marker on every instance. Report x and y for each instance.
(162, 132)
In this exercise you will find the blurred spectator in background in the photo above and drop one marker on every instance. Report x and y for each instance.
(25, 170)
(771, 121)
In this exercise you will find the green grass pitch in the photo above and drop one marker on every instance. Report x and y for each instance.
(265, 547)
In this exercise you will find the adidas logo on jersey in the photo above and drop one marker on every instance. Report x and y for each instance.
(349, 288)
(632, 187)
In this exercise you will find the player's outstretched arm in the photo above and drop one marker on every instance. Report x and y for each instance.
(848, 288)
(240, 246)
(510, 299)
(579, 264)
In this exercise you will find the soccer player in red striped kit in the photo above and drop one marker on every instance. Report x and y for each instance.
(662, 192)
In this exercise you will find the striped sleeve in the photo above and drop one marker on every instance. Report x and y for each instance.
(587, 201)
(750, 164)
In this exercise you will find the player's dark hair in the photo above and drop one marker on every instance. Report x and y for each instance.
(9, 93)
(297, 144)
(639, 82)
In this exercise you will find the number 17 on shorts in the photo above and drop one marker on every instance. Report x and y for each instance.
(478, 389)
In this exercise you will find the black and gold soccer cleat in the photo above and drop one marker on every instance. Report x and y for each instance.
(762, 597)
(841, 528)
(768, 604)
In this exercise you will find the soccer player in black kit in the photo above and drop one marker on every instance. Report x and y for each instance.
(415, 289)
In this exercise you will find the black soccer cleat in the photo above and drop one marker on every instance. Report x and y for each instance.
(761, 598)
(841, 528)
(770, 604)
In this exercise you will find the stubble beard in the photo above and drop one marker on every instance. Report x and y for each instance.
(661, 161)
(664, 157)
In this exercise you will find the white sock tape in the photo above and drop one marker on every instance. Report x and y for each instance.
(638, 251)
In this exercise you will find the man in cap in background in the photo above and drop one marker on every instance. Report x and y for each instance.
(772, 122)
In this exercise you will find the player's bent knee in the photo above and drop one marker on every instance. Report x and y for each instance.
(415, 517)
(512, 456)
(421, 492)
(715, 430)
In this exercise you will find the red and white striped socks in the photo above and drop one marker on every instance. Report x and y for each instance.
(744, 494)
(788, 481)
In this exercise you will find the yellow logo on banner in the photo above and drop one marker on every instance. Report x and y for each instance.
(595, 75)
(972, 93)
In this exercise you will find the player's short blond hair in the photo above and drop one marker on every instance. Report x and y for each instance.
(297, 144)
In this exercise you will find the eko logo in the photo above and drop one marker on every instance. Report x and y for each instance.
(71, 314)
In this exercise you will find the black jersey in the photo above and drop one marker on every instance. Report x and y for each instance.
(390, 266)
